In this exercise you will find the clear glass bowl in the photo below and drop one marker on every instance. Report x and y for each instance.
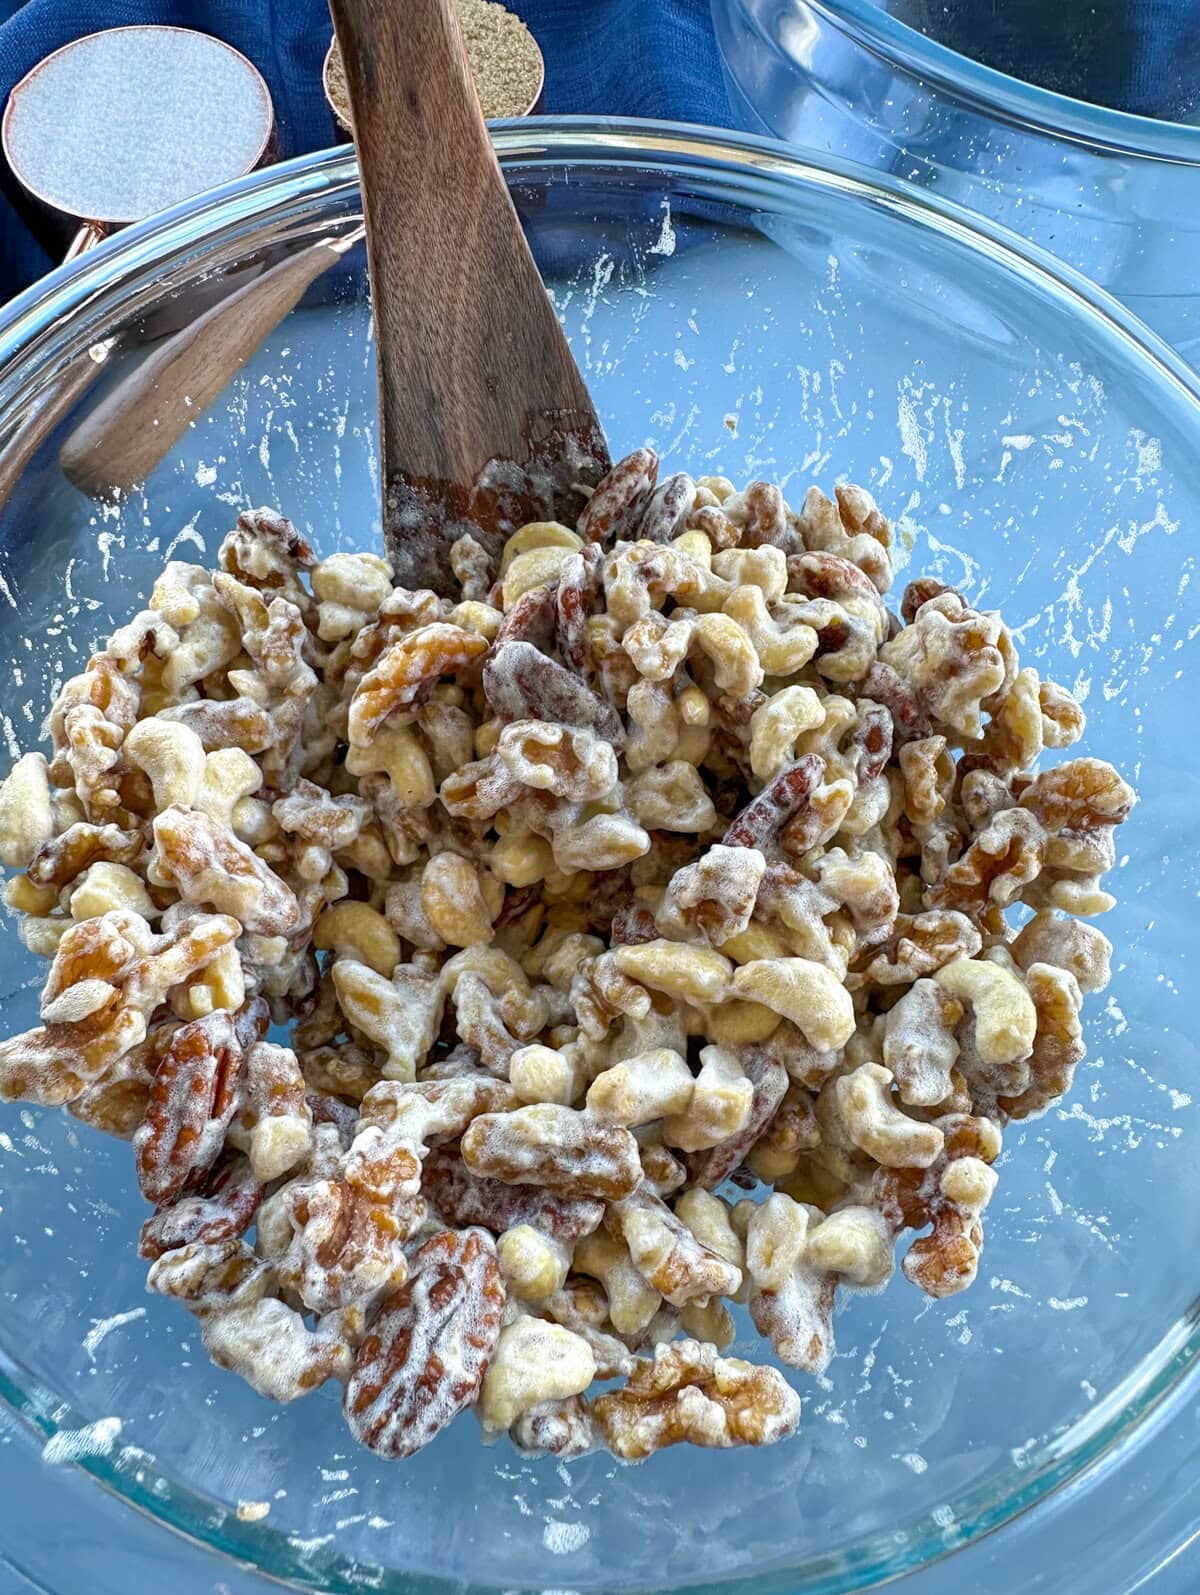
(748, 312)
(1114, 194)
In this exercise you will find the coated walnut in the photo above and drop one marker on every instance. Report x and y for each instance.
(687, 1392)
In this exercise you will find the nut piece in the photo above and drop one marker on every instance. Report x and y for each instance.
(761, 821)
(1078, 795)
(640, 1089)
(26, 814)
(714, 898)
(105, 887)
(208, 865)
(172, 755)
(463, 1199)
(562, 1429)
(616, 506)
(946, 1261)
(631, 1301)
(689, 974)
(548, 1074)
(355, 931)
(192, 1100)
(428, 1346)
(873, 1121)
(1053, 938)
(1002, 861)
(272, 1122)
(807, 993)
(271, 1347)
(797, 1317)
(116, 1103)
(571, 1153)
(559, 759)
(419, 1112)
(919, 1044)
(769, 1082)
(855, 1243)
(534, 1362)
(406, 674)
(62, 859)
(401, 1015)
(211, 1278)
(534, 1265)
(775, 1241)
(690, 1393)
(951, 655)
(453, 901)
(1058, 1045)
(667, 1254)
(225, 1210)
(921, 945)
(522, 684)
(349, 1230)
(1005, 1017)
(708, 1218)
(722, 1098)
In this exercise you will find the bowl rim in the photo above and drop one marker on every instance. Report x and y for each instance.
(39, 330)
(1001, 95)
(37, 320)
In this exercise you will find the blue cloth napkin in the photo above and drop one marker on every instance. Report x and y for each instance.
(1141, 56)
(610, 57)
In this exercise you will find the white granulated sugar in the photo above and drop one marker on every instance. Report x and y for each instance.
(252, 1511)
(913, 1460)
(1009, 1287)
(308, 1547)
(93, 1440)
(189, 109)
(912, 439)
(665, 243)
(563, 1539)
(103, 1327)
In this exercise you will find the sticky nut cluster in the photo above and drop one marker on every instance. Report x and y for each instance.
(659, 862)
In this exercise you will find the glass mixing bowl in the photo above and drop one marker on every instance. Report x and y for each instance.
(1115, 194)
(747, 312)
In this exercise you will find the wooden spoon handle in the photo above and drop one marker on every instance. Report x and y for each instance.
(473, 365)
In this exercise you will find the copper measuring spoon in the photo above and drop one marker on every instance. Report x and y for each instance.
(110, 129)
(485, 421)
(118, 125)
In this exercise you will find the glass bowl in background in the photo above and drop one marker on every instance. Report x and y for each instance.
(1114, 194)
(749, 312)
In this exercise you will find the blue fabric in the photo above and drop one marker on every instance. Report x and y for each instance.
(1141, 56)
(611, 57)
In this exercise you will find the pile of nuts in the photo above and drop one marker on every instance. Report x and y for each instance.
(639, 915)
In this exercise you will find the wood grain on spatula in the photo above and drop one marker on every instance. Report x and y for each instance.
(484, 417)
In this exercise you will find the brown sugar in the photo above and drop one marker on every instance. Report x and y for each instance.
(505, 62)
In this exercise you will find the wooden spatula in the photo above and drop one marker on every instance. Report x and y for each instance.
(484, 418)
